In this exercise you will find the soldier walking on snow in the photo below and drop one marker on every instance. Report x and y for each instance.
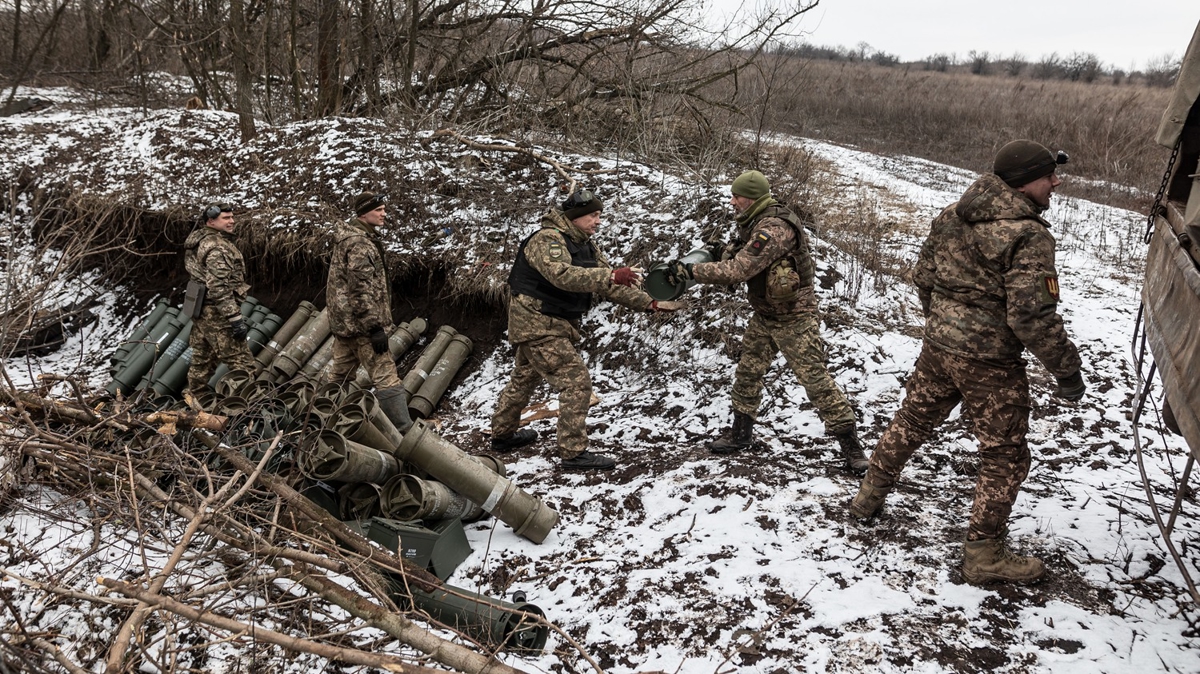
(359, 301)
(557, 270)
(214, 298)
(773, 259)
(989, 289)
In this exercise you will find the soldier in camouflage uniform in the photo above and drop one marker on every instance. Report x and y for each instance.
(219, 332)
(772, 257)
(988, 285)
(359, 302)
(557, 271)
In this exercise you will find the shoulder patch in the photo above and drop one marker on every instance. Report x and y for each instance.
(758, 242)
(555, 250)
(1050, 287)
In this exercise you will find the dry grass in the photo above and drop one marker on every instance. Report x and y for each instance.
(962, 119)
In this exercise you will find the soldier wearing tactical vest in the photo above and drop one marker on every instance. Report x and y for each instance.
(557, 272)
(218, 279)
(989, 289)
(773, 259)
(359, 302)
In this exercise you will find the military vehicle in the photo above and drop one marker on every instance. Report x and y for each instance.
(1169, 321)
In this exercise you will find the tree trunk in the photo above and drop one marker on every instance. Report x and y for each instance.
(16, 43)
(294, 61)
(369, 55)
(329, 70)
(241, 69)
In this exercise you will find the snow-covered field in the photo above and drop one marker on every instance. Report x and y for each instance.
(679, 561)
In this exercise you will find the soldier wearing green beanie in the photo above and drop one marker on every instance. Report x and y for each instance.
(772, 257)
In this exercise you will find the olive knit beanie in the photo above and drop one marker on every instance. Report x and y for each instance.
(752, 185)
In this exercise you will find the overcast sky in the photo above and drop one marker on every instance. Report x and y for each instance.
(1120, 33)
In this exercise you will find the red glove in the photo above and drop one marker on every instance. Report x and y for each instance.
(625, 276)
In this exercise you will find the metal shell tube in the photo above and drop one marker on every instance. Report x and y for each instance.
(323, 408)
(285, 332)
(258, 336)
(296, 397)
(492, 463)
(333, 457)
(457, 351)
(359, 501)
(175, 378)
(516, 627)
(139, 333)
(656, 284)
(428, 359)
(168, 357)
(369, 404)
(143, 354)
(302, 347)
(354, 423)
(319, 361)
(232, 382)
(527, 514)
(409, 498)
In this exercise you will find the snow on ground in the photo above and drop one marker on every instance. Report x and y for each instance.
(682, 561)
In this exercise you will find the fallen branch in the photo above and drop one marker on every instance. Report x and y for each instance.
(351, 656)
(496, 147)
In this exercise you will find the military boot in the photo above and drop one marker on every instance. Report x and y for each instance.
(737, 438)
(507, 443)
(869, 499)
(393, 402)
(989, 560)
(586, 460)
(852, 451)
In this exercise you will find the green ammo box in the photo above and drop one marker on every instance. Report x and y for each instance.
(440, 549)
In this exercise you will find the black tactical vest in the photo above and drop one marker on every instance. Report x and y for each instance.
(525, 280)
(800, 258)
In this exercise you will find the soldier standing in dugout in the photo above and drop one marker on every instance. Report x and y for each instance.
(557, 271)
(359, 301)
(215, 295)
(772, 257)
(989, 289)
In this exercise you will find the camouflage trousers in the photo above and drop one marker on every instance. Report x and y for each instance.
(799, 338)
(212, 344)
(555, 360)
(350, 352)
(995, 398)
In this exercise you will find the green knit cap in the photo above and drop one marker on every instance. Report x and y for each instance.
(752, 185)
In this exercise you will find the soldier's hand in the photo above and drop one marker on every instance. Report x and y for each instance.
(379, 340)
(1071, 387)
(667, 305)
(626, 276)
(677, 272)
(238, 329)
(718, 251)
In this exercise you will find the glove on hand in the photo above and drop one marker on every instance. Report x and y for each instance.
(718, 251)
(625, 276)
(1071, 387)
(379, 341)
(666, 305)
(238, 329)
(677, 272)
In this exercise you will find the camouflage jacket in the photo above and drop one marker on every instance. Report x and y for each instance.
(772, 258)
(546, 252)
(358, 295)
(211, 257)
(987, 281)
